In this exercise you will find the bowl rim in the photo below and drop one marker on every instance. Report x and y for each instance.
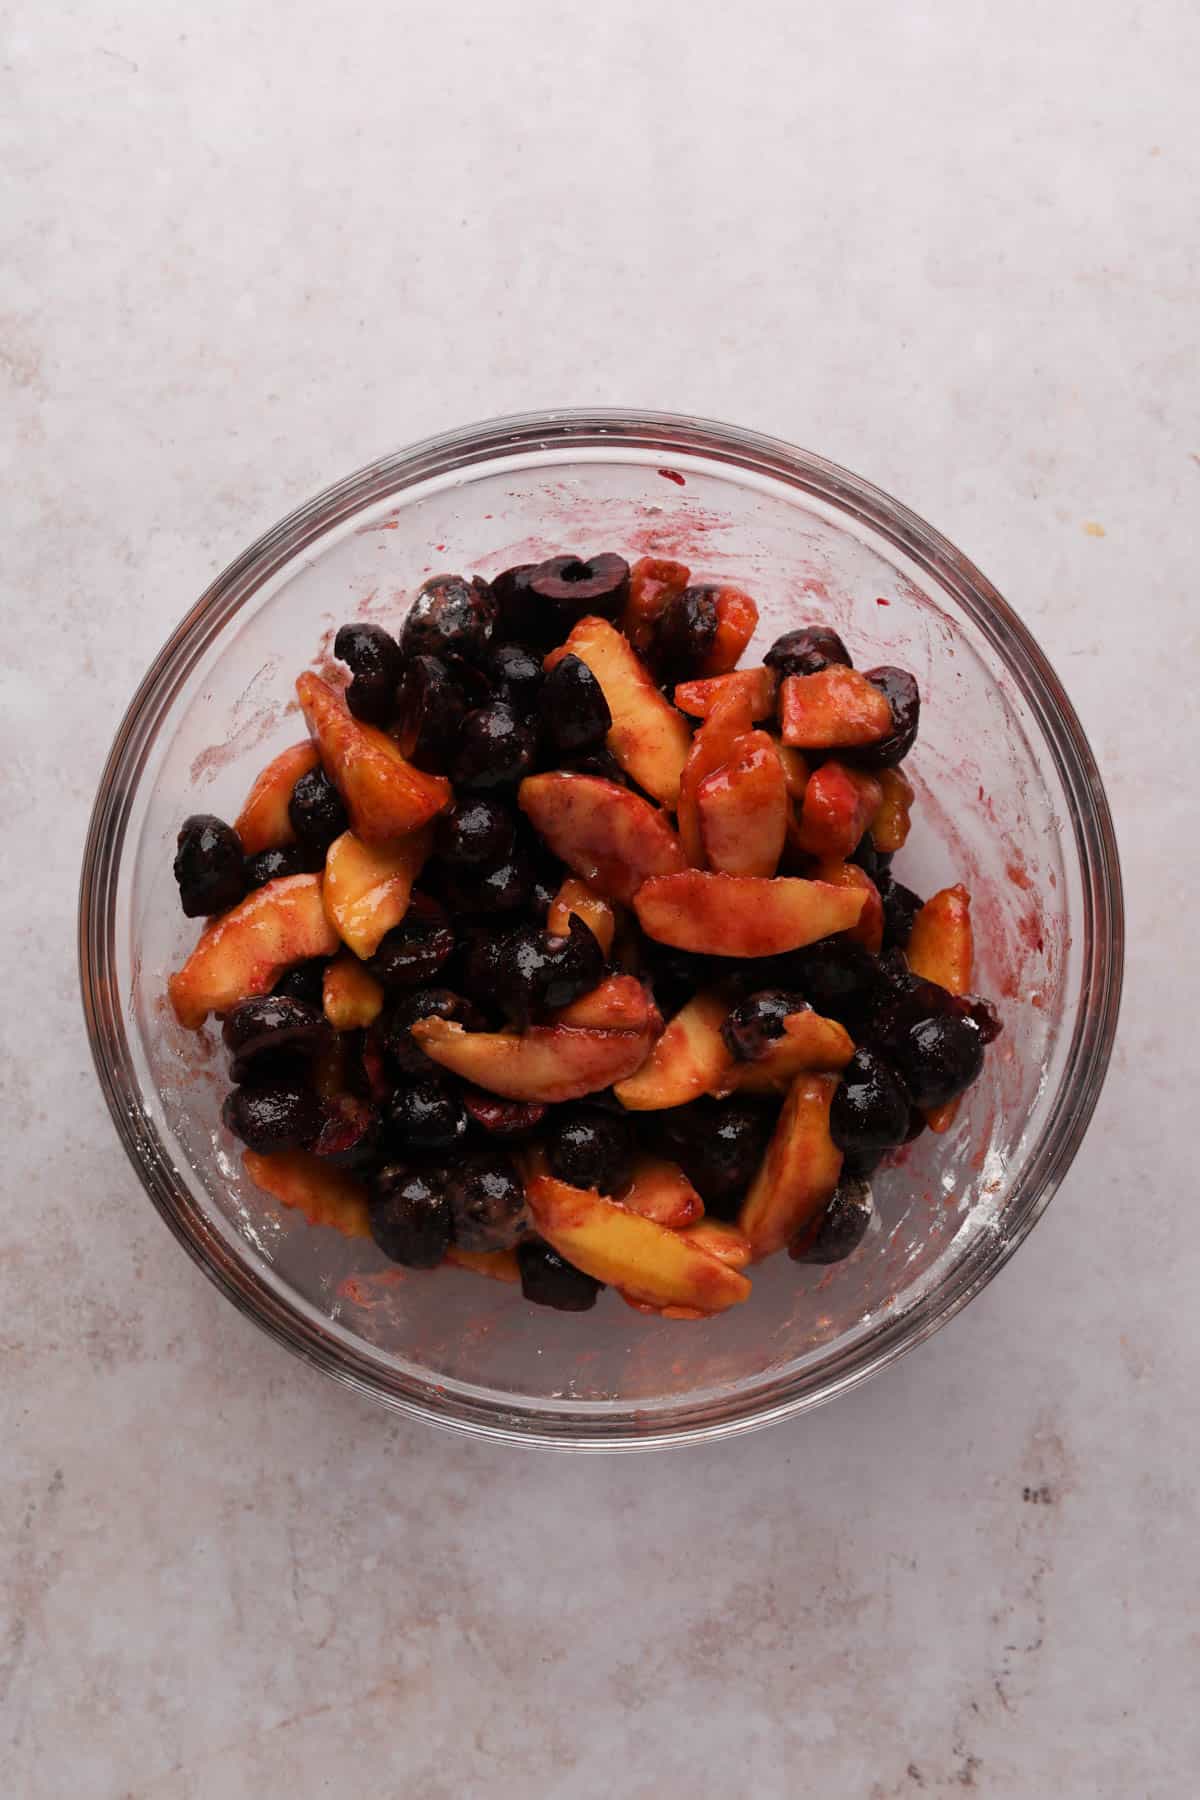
(666, 434)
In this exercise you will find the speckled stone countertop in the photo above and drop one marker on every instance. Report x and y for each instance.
(246, 248)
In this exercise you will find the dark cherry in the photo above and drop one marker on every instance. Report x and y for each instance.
(548, 1279)
(902, 694)
(900, 909)
(426, 1114)
(410, 1215)
(522, 617)
(316, 812)
(430, 708)
(477, 830)
(304, 982)
(373, 658)
(503, 888)
(938, 1058)
(272, 865)
(487, 1201)
(590, 1149)
(271, 1022)
(412, 952)
(403, 1051)
(984, 1015)
(450, 616)
(719, 1145)
(573, 587)
(838, 978)
(273, 1116)
(840, 1229)
(755, 1022)
(863, 1163)
(502, 1118)
(518, 676)
(574, 710)
(534, 972)
(871, 861)
(807, 651)
(494, 749)
(684, 635)
(208, 866)
(674, 975)
(593, 762)
(870, 1108)
(349, 1133)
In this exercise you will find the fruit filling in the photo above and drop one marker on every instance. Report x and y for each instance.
(569, 952)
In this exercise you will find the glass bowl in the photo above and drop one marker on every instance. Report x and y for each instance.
(1010, 801)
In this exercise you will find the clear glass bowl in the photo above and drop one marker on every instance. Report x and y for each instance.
(1010, 802)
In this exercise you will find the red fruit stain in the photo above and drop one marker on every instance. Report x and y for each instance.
(880, 601)
(673, 475)
(364, 1290)
(1018, 874)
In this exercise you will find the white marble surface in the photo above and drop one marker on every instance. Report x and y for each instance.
(247, 247)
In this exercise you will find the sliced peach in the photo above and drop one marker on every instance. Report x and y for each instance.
(728, 720)
(497, 1265)
(941, 947)
(661, 1191)
(687, 1060)
(384, 795)
(743, 915)
(795, 770)
(869, 930)
(743, 810)
(649, 1262)
(351, 997)
(755, 686)
(737, 617)
(546, 1062)
(368, 886)
(799, 1171)
(648, 737)
(576, 897)
(722, 1240)
(610, 837)
(654, 582)
(263, 823)
(890, 824)
(839, 803)
(808, 1042)
(246, 950)
(832, 710)
(619, 1003)
(310, 1184)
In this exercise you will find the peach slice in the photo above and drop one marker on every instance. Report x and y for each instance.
(713, 745)
(246, 950)
(575, 896)
(942, 949)
(755, 686)
(648, 737)
(737, 617)
(610, 837)
(832, 710)
(368, 886)
(654, 582)
(890, 824)
(497, 1265)
(743, 915)
(647, 1261)
(619, 1003)
(687, 1060)
(546, 1062)
(799, 1171)
(808, 1042)
(795, 770)
(350, 995)
(839, 803)
(743, 810)
(310, 1184)
(263, 823)
(869, 930)
(722, 1240)
(384, 795)
(661, 1191)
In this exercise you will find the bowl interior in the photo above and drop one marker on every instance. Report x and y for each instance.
(992, 811)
